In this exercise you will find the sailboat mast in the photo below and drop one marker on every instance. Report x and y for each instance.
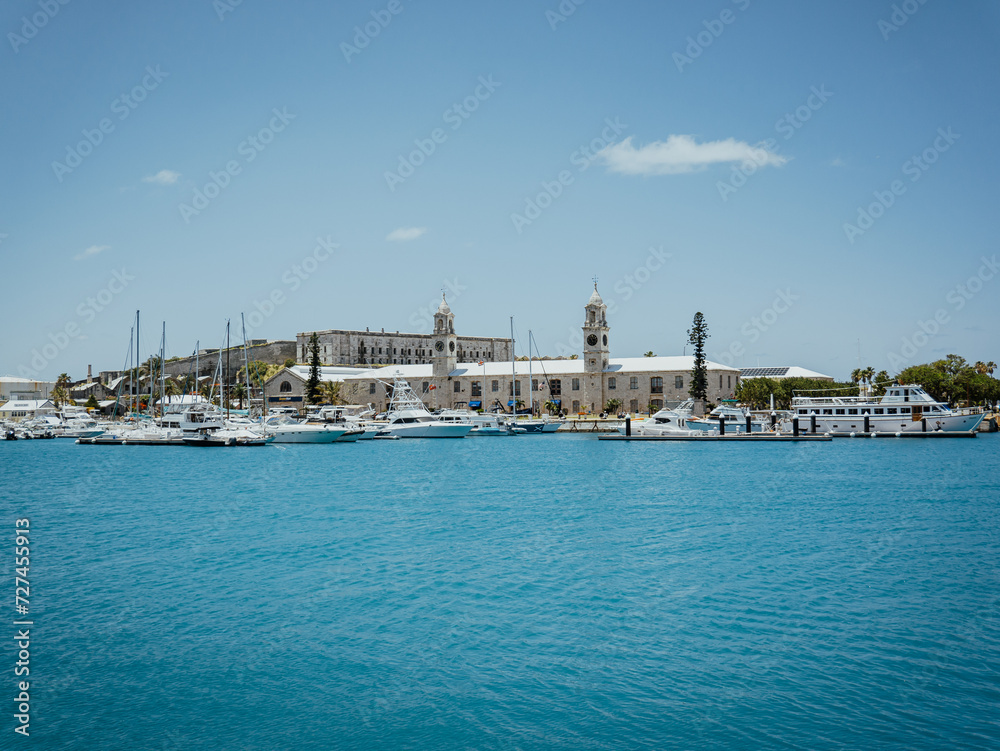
(246, 362)
(163, 352)
(513, 371)
(197, 370)
(531, 400)
(225, 381)
(137, 363)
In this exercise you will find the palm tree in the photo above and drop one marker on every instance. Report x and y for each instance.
(856, 375)
(240, 392)
(985, 368)
(649, 354)
(58, 395)
(868, 374)
(551, 407)
(612, 405)
(331, 392)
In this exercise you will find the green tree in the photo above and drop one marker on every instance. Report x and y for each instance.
(881, 380)
(551, 407)
(697, 335)
(312, 385)
(91, 402)
(291, 361)
(649, 354)
(331, 392)
(613, 405)
(239, 392)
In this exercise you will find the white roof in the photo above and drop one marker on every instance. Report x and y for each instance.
(554, 368)
(328, 373)
(784, 371)
(27, 405)
(18, 379)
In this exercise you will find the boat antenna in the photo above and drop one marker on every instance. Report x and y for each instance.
(163, 352)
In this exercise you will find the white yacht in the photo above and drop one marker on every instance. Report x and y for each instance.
(287, 430)
(904, 408)
(671, 420)
(485, 424)
(71, 424)
(735, 419)
(407, 417)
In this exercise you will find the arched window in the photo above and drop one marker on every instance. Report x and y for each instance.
(285, 386)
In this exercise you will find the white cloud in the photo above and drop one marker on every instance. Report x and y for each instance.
(405, 233)
(838, 162)
(163, 177)
(93, 250)
(680, 154)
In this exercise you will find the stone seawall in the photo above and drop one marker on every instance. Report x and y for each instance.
(275, 352)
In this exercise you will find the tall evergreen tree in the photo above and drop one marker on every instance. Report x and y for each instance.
(697, 335)
(312, 385)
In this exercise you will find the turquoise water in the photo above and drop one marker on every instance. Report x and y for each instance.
(533, 592)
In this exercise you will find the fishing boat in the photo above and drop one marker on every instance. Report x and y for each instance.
(904, 408)
(407, 417)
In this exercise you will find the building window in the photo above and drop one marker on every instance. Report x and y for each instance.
(655, 405)
(371, 388)
(285, 387)
(458, 387)
(656, 385)
(678, 382)
(555, 387)
(495, 386)
(517, 388)
(633, 383)
(534, 384)
(576, 386)
(424, 387)
(729, 381)
(720, 380)
(576, 406)
(477, 388)
(612, 384)
(633, 405)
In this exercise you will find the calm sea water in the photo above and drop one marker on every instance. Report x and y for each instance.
(533, 592)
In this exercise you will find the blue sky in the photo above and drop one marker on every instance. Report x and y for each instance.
(696, 156)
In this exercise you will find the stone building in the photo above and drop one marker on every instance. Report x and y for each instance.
(341, 347)
(583, 385)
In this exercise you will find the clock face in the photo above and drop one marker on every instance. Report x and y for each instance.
(592, 340)
(451, 346)
(439, 346)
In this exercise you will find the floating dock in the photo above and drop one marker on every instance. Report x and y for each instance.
(931, 434)
(753, 437)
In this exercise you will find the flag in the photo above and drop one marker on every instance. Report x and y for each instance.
(432, 387)
(480, 362)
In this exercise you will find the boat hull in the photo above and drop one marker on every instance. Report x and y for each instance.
(892, 424)
(296, 435)
(422, 430)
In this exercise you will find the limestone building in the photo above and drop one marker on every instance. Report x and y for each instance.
(444, 378)
(341, 347)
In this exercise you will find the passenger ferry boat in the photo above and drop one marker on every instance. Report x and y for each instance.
(903, 409)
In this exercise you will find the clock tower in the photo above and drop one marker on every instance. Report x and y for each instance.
(596, 353)
(445, 343)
